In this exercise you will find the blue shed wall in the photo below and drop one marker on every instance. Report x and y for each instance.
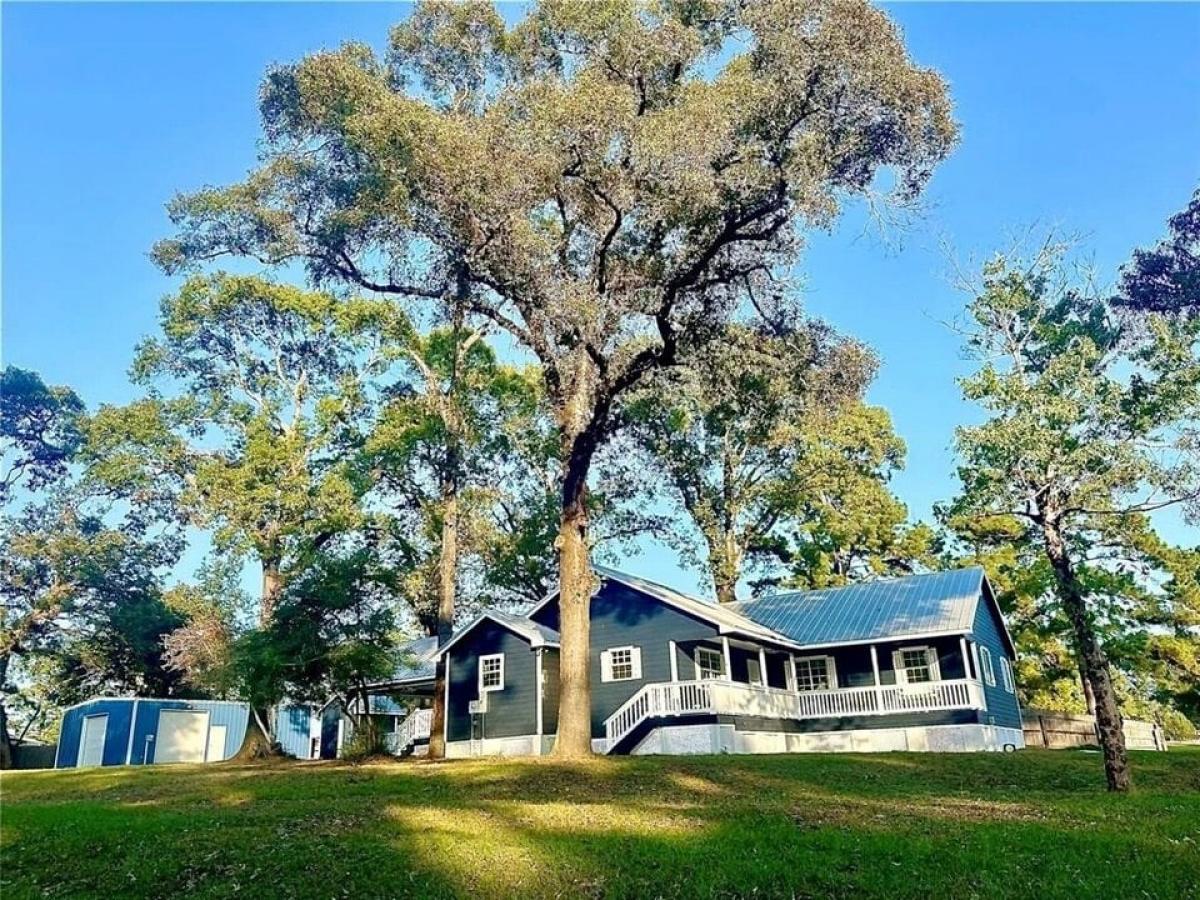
(121, 717)
(1001, 705)
(292, 729)
(116, 737)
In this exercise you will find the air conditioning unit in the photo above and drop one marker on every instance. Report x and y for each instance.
(478, 707)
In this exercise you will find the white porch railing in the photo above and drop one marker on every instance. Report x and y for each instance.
(681, 698)
(412, 729)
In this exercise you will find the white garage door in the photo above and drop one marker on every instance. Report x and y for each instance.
(182, 736)
(91, 741)
(216, 743)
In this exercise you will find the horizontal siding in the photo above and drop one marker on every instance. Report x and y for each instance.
(1002, 706)
(512, 711)
(620, 617)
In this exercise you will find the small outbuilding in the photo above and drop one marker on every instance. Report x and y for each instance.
(124, 731)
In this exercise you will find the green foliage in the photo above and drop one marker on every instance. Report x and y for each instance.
(1091, 429)
(777, 460)
(39, 431)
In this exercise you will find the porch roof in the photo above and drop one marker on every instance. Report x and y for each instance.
(939, 602)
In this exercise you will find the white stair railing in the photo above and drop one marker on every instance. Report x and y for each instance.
(412, 729)
(671, 698)
(681, 698)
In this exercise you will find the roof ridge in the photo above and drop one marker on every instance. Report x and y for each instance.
(889, 579)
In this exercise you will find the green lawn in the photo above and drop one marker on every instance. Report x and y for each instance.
(1031, 824)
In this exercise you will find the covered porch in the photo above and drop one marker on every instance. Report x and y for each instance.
(738, 677)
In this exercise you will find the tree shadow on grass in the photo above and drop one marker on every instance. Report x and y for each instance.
(705, 826)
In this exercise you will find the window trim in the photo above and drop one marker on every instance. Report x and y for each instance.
(931, 662)
(487, 689)
(986, 667)
(1006, 675)
(699, 669)
(830, 672)
(635, 663)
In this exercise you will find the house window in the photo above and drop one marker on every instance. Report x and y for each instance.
(709, 663)
(1006, 674)
(491, 672)
(754, 672)
(815, 673)
(916, 665)
(621, 664)
(985, 663)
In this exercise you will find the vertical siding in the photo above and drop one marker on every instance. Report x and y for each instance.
(116, 737)
(292, 726)
(1002, 706)
(512, 711)
(234, 716)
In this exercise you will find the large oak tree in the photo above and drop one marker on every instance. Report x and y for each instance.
(608, 182)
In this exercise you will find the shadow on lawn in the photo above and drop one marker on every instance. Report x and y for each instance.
(1038, 825)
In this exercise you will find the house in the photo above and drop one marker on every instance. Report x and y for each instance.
(916, 663)
(117, 731)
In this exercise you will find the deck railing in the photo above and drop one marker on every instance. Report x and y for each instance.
(717, 696)
(414, 728)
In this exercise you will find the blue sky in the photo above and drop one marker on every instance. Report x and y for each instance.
(1084, 116)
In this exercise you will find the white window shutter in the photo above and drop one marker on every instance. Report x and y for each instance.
(605, 666)
(935, 670)
(636, 661)
(898, 667)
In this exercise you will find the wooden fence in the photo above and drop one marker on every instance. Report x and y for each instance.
(1058, 731)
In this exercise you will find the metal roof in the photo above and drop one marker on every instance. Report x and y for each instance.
(418, 660)
(940, 602)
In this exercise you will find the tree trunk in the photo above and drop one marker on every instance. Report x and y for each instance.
(1089, 696)
(1091, 660)
(447, 591)
(272, 584)
(574, 737)
(6, 750)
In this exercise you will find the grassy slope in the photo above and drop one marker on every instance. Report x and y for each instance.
(1032, 824)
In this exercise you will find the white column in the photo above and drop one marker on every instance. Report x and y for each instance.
(132, 729)
(540, 676)
(962, 643)
(875, 669)
(446, 707)
(728, 659)
(762, 665)
(794, 686)
(674, 660)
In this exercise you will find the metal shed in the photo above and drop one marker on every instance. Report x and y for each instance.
(124, 731)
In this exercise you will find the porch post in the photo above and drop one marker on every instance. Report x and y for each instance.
(762, 666)
(674, 661)
(962, 643)
(540, 720)
(794, 686)
(875, 670)
(728, 659)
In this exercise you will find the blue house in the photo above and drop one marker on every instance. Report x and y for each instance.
(127, 731)
(916, 663)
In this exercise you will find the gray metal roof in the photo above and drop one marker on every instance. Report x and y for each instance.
(940, 602)
(417, 660)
